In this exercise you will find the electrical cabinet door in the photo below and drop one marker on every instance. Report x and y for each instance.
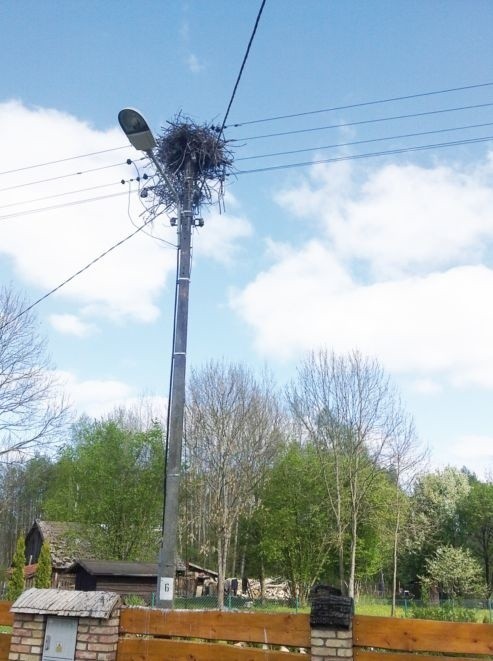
(60, 638)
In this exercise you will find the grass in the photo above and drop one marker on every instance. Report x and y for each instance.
(367, 606)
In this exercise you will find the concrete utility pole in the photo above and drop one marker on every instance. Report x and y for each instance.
(167, 560)
(140, 136)
(202, 156)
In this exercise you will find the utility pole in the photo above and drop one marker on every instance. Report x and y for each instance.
(167, 560)
(193, 153)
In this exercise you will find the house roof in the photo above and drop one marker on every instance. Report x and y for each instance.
(68, 541)
(66, 602)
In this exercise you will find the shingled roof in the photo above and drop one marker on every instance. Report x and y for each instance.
(66, 602)
(68, 541)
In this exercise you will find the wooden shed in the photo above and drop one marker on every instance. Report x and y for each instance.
(135, 578)
(68, 541)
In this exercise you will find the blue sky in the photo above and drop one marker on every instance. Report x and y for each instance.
(391, 255)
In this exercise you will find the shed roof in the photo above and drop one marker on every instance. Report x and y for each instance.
(66, 602)
(120, 568)
(110, 568)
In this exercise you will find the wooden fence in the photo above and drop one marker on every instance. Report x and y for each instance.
(153, 635)
(6, 620)
(395, 639)
(204, 635)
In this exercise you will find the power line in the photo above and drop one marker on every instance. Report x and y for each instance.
(72, 192)
(363, 121)
(72, 174)
(353, 157)
(245, 58)
(18, 214)
(85, 268)
(63, 160)
(362, 142)
(359, 105)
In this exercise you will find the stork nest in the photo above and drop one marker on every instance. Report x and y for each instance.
(200, 150)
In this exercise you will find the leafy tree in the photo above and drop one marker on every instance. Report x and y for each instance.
(475, 512)
(455, 572)
(43, 572)
(296, 537)
(436, 499)
(434, 518)
(112, 476)
(17, 582)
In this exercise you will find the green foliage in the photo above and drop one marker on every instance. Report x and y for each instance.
(16, 581)
(133, 600)
(112, 477)
(23, 488)
(43, 573)
(295, 530)
(455, 572)
(446, 612)
(434, 517)
(475, 514)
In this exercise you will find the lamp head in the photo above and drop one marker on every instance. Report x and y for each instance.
(136, 129)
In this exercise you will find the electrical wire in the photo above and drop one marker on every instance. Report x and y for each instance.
(246, 158)
(362, 142)
(72, 192)
(353, 157)
(18, 214)
(361, 104)
(152, 236)
(363, 121)
(79, 272)
(63, 160)
(245, 58)
(72, 174)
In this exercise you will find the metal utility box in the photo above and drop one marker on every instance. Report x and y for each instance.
(60, 638)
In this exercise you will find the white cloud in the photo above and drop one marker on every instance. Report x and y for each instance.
(194, 65)
(70, 324)
(100, 397)
(95, 397)
(402, 219)
(400, 271)
(475, 452)
(219, 240)
(426, 386)
(48, 247)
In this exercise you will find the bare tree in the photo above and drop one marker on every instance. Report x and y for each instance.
(232, 431)
(30, 412)
(406, 459)
(349, 411)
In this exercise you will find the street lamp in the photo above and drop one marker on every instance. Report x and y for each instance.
(140, 136)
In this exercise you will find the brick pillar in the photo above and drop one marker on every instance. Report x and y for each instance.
(97, 616)
(28, 632)
(97, 639)
(331, 644)
(331, 625)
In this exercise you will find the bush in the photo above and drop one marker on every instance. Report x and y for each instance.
(133, 600)
(16, 582)
(43, 573)
(447, 612)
